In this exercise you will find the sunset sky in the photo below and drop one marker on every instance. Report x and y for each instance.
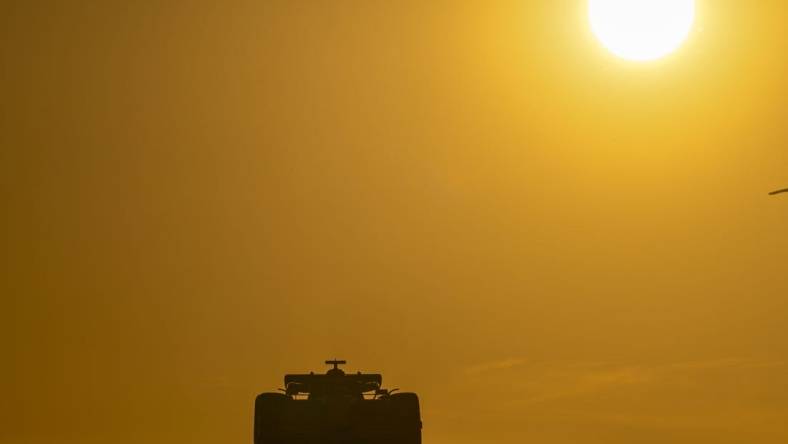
(547, 243)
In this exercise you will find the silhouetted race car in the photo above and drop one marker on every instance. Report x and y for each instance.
(336, 408)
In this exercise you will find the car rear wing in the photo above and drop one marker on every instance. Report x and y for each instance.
(310, 383)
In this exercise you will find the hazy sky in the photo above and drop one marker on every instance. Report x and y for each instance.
(474, 198)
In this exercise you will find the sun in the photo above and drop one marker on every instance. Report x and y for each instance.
(641, 30)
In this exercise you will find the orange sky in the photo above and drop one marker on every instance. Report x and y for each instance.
(474, 198)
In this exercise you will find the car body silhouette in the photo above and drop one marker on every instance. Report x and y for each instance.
(336, 408)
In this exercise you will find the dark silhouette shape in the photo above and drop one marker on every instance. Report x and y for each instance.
(336, 408)
(774, 193)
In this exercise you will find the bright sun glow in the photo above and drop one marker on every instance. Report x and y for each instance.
(641, 30)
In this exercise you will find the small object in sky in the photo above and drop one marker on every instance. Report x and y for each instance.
(785, 190)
